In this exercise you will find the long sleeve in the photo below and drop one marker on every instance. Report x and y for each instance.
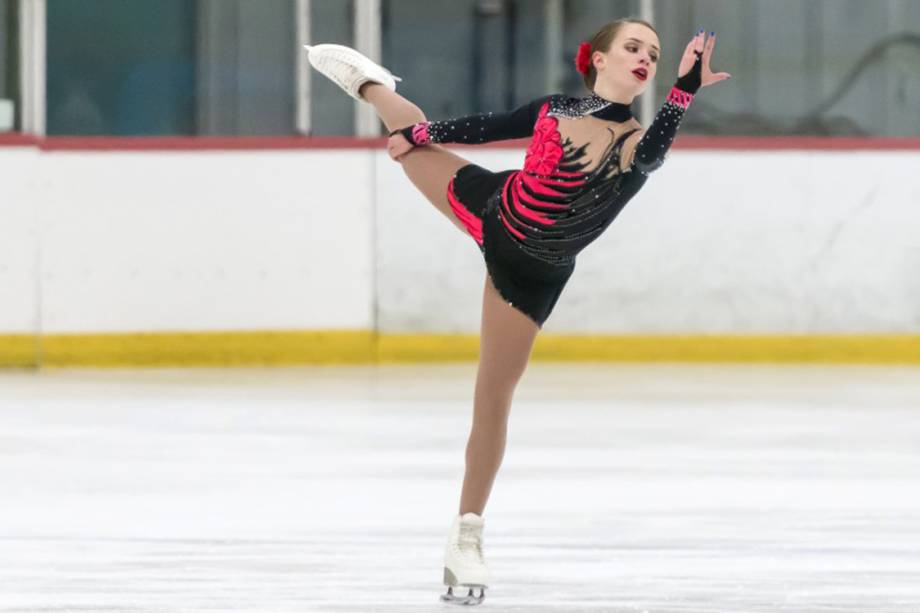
(477, 129)
(657, 140)
(654, 145)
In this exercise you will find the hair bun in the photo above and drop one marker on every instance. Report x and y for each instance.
(583, 59)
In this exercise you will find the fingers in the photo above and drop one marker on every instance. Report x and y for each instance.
(704, 45)
(712, 79)
(688, 51)
(398, 153)
(700, 43)
(397, 147)
(696, 44)
(710, 45)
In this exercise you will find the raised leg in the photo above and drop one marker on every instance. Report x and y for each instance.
(431, 167)
(506, 341)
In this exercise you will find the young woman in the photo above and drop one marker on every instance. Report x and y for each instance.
(587, 157)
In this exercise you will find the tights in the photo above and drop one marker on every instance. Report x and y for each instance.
(577, 176)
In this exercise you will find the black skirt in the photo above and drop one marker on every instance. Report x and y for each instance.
(529, 284)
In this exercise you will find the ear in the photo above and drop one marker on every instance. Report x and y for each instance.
(598, 60)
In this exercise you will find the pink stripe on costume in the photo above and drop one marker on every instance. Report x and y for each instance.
(505, 210)
(528, 199)
(472, 223)
(680, 98)
(537, 186)
(521, 209)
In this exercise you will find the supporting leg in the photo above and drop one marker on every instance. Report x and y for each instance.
(506, 341)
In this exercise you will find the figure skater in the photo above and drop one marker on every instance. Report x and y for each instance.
(587, 157)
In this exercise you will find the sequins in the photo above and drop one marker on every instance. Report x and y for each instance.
(576, 108)
(552, 215)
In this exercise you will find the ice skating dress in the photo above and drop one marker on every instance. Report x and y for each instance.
(587, 158)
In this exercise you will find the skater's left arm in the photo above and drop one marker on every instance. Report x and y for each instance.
(476, 129)
(694, 73)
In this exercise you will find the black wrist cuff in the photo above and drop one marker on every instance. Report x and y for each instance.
(692, 81)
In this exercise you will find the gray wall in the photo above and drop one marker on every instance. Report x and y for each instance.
(793, 61)
(4, 42)
(332, 110)
(227, 66)
(789, 57)
(121, 67)
(246, 67)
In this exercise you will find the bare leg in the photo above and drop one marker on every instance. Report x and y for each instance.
(430, 167)
(507, 335)
(506, 340)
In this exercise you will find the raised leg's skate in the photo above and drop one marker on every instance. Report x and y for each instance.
(349, 69)
(464, 565)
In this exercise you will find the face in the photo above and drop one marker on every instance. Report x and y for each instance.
(632, 60)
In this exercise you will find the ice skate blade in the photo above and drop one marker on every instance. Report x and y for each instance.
(469, 600)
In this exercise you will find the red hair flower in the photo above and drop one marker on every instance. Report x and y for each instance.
(583, 59)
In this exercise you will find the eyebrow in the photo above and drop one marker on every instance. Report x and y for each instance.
(643, 42)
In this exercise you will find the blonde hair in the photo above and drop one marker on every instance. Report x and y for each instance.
(604, 38)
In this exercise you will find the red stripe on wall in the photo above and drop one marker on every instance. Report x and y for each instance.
(205, 143)
(14, 139)
(249, 143)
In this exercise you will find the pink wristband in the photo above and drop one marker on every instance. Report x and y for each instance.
(679, 97)
(420, 134)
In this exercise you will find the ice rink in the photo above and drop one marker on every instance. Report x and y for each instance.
(624, 488)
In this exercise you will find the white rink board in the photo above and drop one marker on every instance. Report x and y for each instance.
(19, 192)
(340, 239)
(162, 241)
(716, 242)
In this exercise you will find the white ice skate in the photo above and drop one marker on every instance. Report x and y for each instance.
(349, 69)
(464, 565)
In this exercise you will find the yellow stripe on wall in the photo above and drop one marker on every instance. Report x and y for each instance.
(279, 348)
(842, 349)
(208, 348)
(427, 348)
(18, 350)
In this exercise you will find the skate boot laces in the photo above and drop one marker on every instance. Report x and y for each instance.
(349, 69)
(357, 66)
(470, 541)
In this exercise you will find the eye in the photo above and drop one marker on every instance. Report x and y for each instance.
(655, 58)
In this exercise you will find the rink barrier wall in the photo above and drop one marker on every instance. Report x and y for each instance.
(289, 348)
(367, 345)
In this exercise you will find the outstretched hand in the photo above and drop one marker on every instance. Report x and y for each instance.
(398, 146)
(701, 45)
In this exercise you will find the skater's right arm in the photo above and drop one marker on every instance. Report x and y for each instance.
(477, 129)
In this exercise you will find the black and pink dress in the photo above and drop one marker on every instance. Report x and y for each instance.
(586, 159)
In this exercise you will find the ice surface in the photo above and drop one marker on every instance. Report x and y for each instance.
(660, 488)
